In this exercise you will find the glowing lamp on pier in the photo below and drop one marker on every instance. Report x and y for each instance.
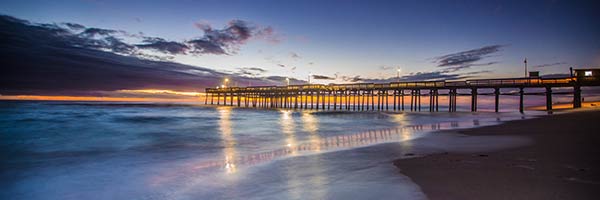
(226, 81)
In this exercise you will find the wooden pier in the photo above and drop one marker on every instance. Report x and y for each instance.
(376, 96)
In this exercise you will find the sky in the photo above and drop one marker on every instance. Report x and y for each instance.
(97, 47)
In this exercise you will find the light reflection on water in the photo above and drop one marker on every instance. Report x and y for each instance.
(229, 143)
(317, 144)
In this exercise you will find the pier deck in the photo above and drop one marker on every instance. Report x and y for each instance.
(376, 96)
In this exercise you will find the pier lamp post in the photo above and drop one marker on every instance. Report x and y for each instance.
(288, 81)
(226, 81)
(525, 66)
(398, 76)
(309, 75)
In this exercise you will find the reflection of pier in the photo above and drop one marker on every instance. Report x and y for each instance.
(376, 96)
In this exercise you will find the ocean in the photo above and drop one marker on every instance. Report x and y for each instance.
(110, 150)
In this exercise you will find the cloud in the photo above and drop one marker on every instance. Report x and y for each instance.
(322, 77)
(93, 32)
(268, 34)
(438, 75)
(162, 45)
(385, 67)
(294, 55)
(74, 26)
(225, 41)
(251, 71)
(558, 75)
(47, 59)
(352, 78)
(467, 59)
(228, 39)
(549, 64)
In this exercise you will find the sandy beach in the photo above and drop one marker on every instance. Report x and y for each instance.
(562, 163)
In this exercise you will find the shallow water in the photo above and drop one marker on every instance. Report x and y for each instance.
(76, 150)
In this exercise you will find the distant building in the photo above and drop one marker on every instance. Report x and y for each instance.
(583, 73)
(534, 74)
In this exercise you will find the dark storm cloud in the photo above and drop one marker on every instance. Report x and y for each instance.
(550, 64)
(45, 59)
(322, 77)
(466, 59)
(223, 41)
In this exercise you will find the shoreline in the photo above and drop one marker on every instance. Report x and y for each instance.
(561, 163)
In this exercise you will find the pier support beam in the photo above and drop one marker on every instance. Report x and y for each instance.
(577, 97)
(412, 99)
(402, 99)
(450, 100)
(549, 99)
(387, 103)
(419, 99)
(395, 96)
(497, 98)
(437, 100)
(431, 100)
(521, 93)
(372, 99)
(473, 99)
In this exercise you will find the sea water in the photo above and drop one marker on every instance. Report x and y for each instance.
(99, 150)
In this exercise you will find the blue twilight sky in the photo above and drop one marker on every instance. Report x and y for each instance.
(366, 39)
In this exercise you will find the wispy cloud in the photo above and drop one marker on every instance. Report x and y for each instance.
(322, 77)
(251, 71)
(438, 75)
(469, 58)
(294, 55)
(385, 67)
(550, 64)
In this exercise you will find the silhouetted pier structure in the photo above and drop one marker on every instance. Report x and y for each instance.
(376, 96)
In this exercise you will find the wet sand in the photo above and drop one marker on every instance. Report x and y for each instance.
(562, 163)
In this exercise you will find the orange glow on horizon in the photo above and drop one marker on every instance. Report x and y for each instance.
(153, 91)
(92, 98)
